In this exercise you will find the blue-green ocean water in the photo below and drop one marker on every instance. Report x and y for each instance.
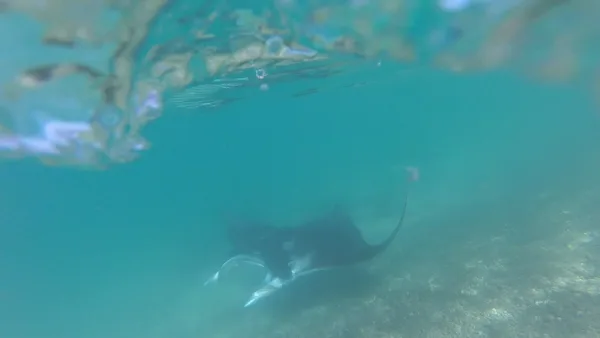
(118, 253)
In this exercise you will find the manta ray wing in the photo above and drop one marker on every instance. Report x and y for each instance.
(333, 239)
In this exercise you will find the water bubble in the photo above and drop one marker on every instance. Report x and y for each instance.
(108, 116)
(260, 73)
(274, 45)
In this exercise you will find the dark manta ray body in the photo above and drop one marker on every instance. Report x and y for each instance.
(287, 253)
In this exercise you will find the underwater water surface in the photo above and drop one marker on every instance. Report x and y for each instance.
(500, 238)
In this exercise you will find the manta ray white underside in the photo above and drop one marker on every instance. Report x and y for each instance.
(299, 266)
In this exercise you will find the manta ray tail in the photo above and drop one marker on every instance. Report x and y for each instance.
(413, 175)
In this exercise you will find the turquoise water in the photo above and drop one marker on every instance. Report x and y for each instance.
(124, 252)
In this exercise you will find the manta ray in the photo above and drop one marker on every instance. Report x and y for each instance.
(287, 253)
